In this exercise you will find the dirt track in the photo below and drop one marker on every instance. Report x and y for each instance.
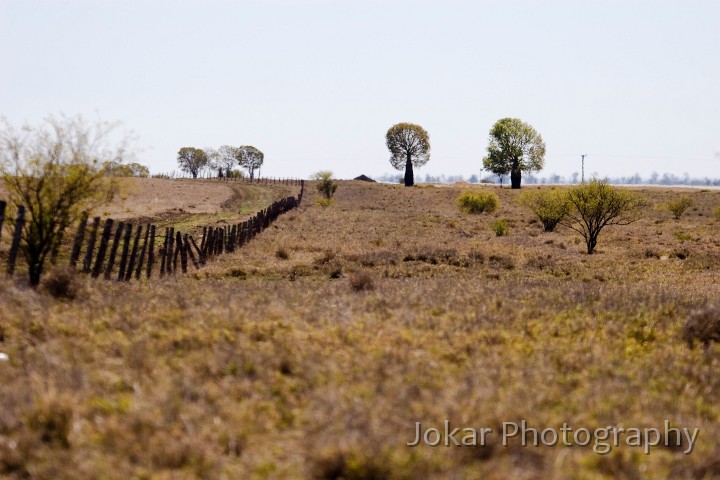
(155, 197)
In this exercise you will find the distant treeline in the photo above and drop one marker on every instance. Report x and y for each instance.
(653, 179)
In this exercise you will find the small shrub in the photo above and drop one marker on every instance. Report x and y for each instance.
(51, 420)
(702, 325)
(682, 236)
(62, 283)
(501, 261)
(500, 227)
(478, 202)
(681, 253)
(360, 281)
(282, 253)
(549, 205)
(476, 256)
(327, 257)
(237, 273)
(717, 212)
(350, 465)
(324, 202)
(326, 186)
(678, 207)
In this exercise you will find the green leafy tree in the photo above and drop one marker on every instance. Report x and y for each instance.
(409, 146)
(56, 171)
(514, 147)
(192, 160)
(595, 205)
(549, 205)
(250, 158)
(117, 169)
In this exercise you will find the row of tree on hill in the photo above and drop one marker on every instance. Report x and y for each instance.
(222, 160)
(514, 147)
(555, 179)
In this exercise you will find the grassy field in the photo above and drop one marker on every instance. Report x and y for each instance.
(314, 350)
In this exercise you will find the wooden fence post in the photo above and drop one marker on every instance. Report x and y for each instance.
(87, 261)
(221, 241)
(2, 215)
(15, 245)
(163, 252)
(189, 250)
(201, 259)
(151, 252)
(170, 251)
(79, 237)
(141, 257)
(113, 250)
(178, 250)
(184, 252)
(133, 254)
(125, 250)
(107, 229)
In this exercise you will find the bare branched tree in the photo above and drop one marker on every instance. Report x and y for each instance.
(56, 171)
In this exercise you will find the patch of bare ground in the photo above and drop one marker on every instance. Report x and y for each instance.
(312, 351)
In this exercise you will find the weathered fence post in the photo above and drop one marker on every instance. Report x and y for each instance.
(107, 229)
(163, 252)
(184, 252)
(125, 250)
(2, 215)
(141, 258)
(201, 258)
(113, 250)
(170, 251)
(151, 251)
(87, 261)
(221, 241)
(178, 250)
(15, 245)
(189, 251)
(133, 254)
(79, 237)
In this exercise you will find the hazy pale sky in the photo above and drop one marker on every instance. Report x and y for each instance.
(316, 84)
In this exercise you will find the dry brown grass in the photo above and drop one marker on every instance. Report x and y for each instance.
(260, 366)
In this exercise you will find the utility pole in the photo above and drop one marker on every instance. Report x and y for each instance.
(583, 166)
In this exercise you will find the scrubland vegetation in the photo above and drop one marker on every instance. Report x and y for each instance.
(312, 351)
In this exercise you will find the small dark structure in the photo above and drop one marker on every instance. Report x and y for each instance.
(364, 178)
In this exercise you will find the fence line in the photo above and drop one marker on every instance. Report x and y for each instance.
(178, 250)
(232, 178)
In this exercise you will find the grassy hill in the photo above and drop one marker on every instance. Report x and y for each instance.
(314, 350)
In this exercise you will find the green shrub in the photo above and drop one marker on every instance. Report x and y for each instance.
(326, 186)
(678, 207)
(549, 205)
(500, 227)
(597, 204)
(717, 212)
(324, 202)
(478, 202)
